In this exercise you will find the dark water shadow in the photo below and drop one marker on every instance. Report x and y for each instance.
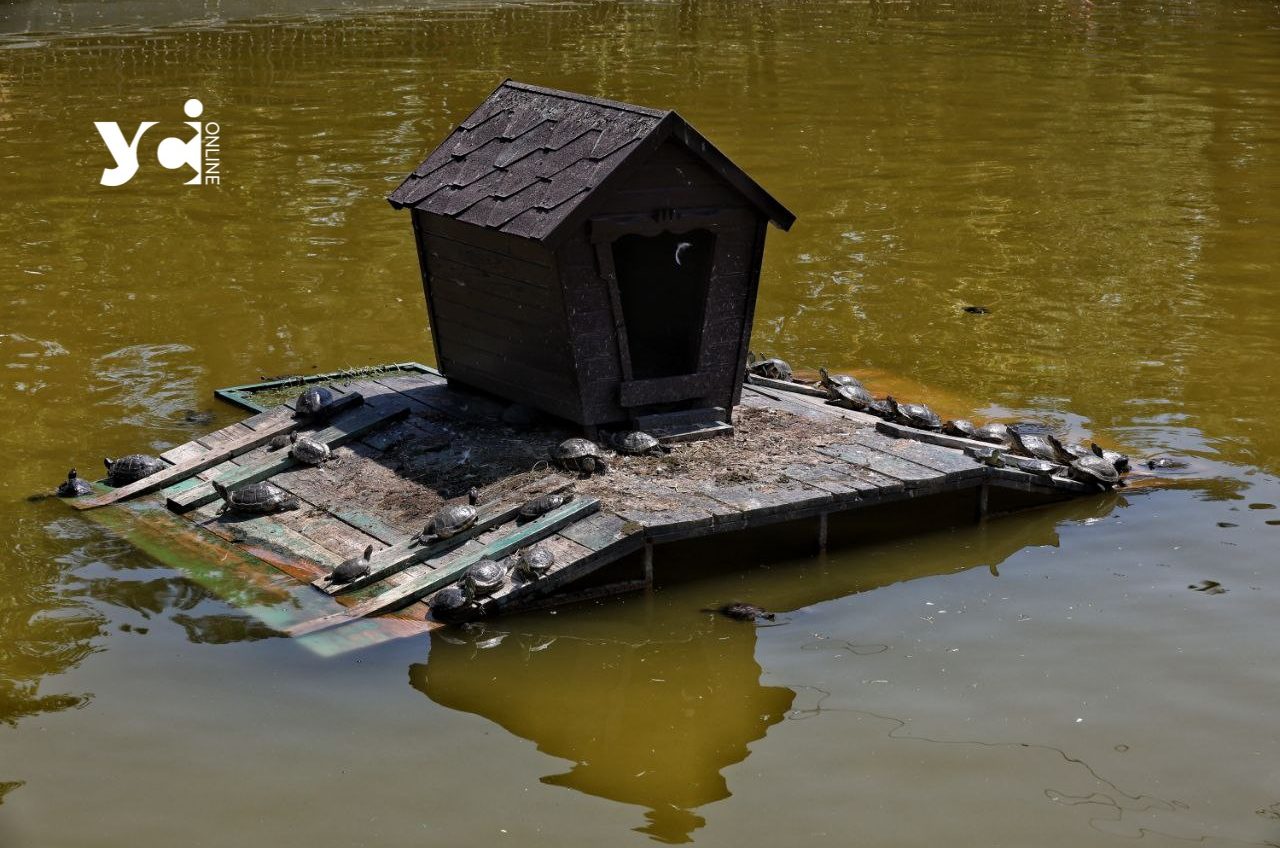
(645, 713)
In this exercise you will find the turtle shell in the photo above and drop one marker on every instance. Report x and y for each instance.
(834, 381)
(449, 605)
(451, 520)
(1095, 469)
(880, 409)
(1119, 460)
(995, 433)
(543, 504)
(1035, 446)
(535, 561)
(259, 497)
(851, 397)
(1043, 467)
(1168, 463)
(635, 442)
(960, 427)
(581, 455)
(312, 401)
(484, 578)
(916, 415)
(773, 369)
(73, 486)
(309, 451)
(131, 468)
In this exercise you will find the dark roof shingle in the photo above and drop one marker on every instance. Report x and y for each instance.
(525, 159)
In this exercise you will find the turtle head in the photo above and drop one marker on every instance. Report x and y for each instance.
(71, 475)
(293, 437)
(473, 496)
(221, 489)
(368, 553)
(1097, 449)
(107, 461)
(822, 369)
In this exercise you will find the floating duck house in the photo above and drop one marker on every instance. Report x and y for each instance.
(593, 259)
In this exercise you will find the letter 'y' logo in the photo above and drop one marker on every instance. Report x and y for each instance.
(173, 153)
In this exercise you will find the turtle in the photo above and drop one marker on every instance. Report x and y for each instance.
(995, 433)
(914, 415)
(535, 561)
(484, 578)
(73, 486)
(354, 568)
(1041, 467)
(450, 604)
(580, 455)
(195, 416)
(856, 398)
(742, 612)
(1166, 463)
(831, 382)
(1119, 460)
(1034, 446)
(976, 309)
(772, 369)
(637, 442)
(280, 441)
(880, 409)
(131, 468)
(1095, 470)
(543, 504)
(1068, 453)
(256, 498)
(308, 451)
(960, 427)
(450, 520)
(990, 456)
(312, 401)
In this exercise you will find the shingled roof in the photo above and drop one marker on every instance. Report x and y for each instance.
(527, 158)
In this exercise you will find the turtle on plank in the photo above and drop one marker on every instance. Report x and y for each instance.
(1119, 460)
(916, 415)
(831, 382)
(313, 402)
(960, 427)
(535, 561)
(1095, 470)
(450, 605)
(637, 443)
(995, 433)
(543, 504)
(308, 451)
(772, 369)
(450, 520)
(255, 498)
(484, 578)
(73, 486)
(354, 568)
(852, 397)
(580, 455)
(1034, 445)
(132, 468)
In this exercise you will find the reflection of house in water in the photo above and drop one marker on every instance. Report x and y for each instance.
(652, 722)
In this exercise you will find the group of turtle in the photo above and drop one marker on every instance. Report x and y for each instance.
(1041, 451)
(584, 457)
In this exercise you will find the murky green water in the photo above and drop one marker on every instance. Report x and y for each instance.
(1105, 177)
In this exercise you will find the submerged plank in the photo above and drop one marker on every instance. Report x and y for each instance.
(438, 578)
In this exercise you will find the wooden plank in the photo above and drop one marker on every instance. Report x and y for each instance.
(408, 552)
(770, 499)
(956, 465)
(440, 577)
(219, 447)
(912, 475)
(788, 386)
(348, 427)
(846, 483)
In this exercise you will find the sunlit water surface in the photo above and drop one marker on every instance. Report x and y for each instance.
(1104, 177)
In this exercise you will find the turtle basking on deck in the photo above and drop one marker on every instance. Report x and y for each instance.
(580, 455)
(880, 409)
(535, 561)
(255, 498)
(1119, 460)
(312, 402)
(450, 605)
(484, 578)
(1035, 446)
(1095, 470)
(961, 428)
(280, 441)
(772, 369)
(73, 486)
(739, 611)
(856, 398)
(914, 415)
(637, 443)
(831, 382)
(354, 568)
(543, 504)
(308, 451)
(990, 456)
(995, 433)
(450, 520)
(132, 468)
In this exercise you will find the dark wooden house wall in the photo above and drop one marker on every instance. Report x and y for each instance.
(497, 314)
(673, 178)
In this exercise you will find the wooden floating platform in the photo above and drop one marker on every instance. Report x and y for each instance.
(406, 443)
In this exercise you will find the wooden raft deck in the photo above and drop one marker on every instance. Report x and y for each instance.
(405, 444)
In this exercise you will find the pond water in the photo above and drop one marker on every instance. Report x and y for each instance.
(1104, 177)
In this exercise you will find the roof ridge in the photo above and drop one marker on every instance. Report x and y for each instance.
(584, 98)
